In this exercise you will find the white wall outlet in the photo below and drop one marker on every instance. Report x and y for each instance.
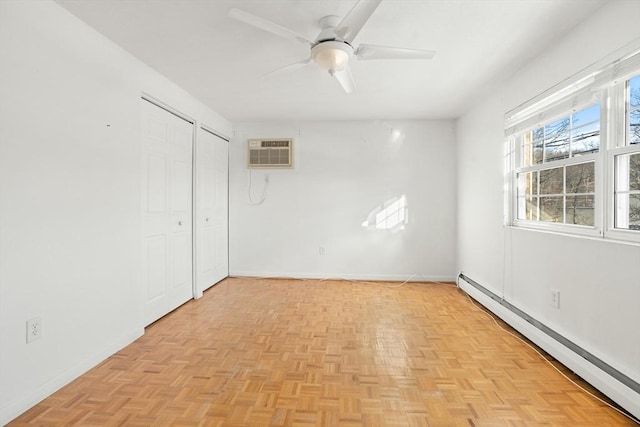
(34, 329)
(321, 251)
(555, 298)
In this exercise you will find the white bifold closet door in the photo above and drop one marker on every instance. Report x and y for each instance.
(212, 196)
(167, 252)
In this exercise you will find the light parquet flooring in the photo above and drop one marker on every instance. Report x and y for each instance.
(323, 353)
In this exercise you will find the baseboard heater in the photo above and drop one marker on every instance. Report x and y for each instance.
(594, 360)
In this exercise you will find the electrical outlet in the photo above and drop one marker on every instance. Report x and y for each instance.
(321, 251)
(555, 298)
(34, 329)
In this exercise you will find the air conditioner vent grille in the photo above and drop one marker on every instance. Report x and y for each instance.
(283, 143)
(270, 153)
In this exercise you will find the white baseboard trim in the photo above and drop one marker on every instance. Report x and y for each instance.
(345, 276)
(20, 404)
(624, 396)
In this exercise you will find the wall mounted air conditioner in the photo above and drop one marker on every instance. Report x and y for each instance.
(270, 153)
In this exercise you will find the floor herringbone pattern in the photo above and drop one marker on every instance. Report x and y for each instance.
(323, 353)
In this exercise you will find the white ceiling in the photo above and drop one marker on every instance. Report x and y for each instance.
(219, 60)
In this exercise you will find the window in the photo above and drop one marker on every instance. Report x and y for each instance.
(564, 193)
(575, 156)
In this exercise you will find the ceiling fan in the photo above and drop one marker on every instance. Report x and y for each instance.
(332, 49)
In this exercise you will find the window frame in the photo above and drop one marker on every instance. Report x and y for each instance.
(612, 231)
(606, 86)
(618, 145)
(562, 227)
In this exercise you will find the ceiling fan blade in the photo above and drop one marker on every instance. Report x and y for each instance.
(351, 25)
(370, 51)
(286, 68)
(265, 25)
(345, 78)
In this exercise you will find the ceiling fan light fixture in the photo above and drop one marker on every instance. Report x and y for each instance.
(332, 56)
(331, 50)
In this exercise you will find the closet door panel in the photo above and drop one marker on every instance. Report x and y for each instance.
(211, 201)
(167, 251)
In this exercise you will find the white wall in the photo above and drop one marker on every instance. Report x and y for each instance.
(598, 281)
(344, 170)
(69, 196)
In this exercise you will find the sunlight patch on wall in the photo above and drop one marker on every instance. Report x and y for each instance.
(391, 215)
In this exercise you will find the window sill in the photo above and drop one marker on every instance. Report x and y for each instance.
(631, 238)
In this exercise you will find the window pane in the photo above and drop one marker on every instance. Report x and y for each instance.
(527, 189)
(581, 178)
(627, 172)
(528, 208)
(628, 211)
(588, 115)
(556, 140)
(531, 208)
(527, 183)
(551, 209)
(538, 145)
(634, 172)
(551, 181)
(627, 180)
(634, 92)
(634, 212)
(634, 127)
(586, 139)
(580, 210)
(528, 150)
(633, 111)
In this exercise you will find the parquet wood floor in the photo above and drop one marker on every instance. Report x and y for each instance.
(323, 353)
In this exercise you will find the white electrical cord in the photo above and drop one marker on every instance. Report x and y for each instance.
(509, 240)
(392, 286)
(632, 418)
(325, 279)
(480, 308)
(264, 190)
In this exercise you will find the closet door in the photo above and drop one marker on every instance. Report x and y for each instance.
(211, 210)
(221, 210)
(167, 146)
